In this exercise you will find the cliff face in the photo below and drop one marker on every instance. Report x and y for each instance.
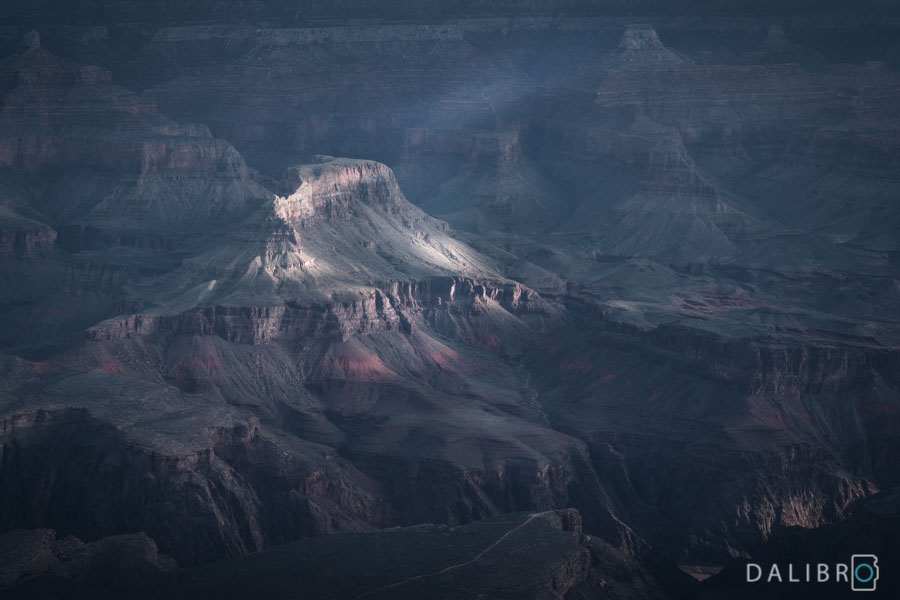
(328, 190)
(397, 308)
(23, 239)
(761, 423)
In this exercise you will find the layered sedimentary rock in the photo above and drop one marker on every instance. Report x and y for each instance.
(24, 239)
(40, 90)
(72, 128)
(791, 406)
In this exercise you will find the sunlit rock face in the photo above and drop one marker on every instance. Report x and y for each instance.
(327, 189)
(626, 281)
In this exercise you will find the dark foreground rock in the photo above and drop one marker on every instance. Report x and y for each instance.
(518, 556)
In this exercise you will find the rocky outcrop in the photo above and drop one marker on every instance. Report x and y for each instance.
(327, 190)
(261, 324)
(463, 291)
(229, 490)
(34, 66)
(25, 553)
(641, 48)
(395, 308)
(24, 239)
(28, 554)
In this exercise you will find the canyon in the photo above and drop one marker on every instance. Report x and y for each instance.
(472, 301)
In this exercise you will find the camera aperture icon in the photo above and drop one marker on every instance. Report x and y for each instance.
(864, 572)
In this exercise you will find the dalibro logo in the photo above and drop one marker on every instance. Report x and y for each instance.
(865, 572)
(861, 573)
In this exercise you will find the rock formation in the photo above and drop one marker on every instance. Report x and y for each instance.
(637, 283)
(641, 48)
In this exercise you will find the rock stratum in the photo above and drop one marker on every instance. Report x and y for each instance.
(596, 297)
